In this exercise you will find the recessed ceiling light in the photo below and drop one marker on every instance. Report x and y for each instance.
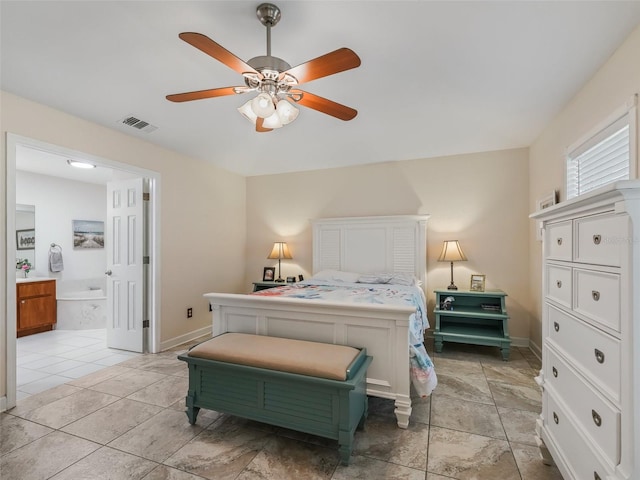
(77, 164)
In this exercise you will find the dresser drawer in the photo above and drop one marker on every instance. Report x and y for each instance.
(598, 296)
(559, 280)
(599, 239)
(597, 416)
(576, 450)
(559, 241)
(593, 352)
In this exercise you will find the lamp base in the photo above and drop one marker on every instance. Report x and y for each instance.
(279, 280)
(452, 286)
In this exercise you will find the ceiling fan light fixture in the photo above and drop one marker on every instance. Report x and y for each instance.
(262, 105)
(273, 121)
(286, 112)
(247, 112)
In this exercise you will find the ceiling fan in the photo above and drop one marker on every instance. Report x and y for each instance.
(274, 79)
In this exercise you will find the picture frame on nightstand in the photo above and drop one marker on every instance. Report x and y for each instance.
(269, 274)
(477, 283)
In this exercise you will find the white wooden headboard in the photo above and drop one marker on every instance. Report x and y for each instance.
(372, 244)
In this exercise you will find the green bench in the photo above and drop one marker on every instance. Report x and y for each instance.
(310, 387)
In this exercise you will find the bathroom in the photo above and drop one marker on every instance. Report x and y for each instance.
(48, 208)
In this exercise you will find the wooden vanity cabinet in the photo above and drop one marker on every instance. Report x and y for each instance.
(36, 306)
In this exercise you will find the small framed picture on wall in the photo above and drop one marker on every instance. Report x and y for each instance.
(25, 239)
(269, 274)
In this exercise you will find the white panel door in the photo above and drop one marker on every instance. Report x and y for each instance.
(125, 269)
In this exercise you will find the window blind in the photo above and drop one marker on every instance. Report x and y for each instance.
(602, 159)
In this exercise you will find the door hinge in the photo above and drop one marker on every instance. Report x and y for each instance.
(145, 324)
(145, 260)
(146, 196)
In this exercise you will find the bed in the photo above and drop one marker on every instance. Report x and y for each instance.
(365, 245)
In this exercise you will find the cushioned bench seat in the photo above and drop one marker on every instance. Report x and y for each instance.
(306, 386)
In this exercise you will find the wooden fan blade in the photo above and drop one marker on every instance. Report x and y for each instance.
(213, 49)
(325, 106)
(259, 127)
(334, 62)
(200, 94)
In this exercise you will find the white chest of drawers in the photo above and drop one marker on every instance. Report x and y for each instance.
(590, 377)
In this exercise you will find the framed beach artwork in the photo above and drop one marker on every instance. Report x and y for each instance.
(88, 234)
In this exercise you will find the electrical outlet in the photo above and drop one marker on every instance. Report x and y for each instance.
(189, 312)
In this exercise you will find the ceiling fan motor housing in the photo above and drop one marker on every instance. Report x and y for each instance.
(267, 63)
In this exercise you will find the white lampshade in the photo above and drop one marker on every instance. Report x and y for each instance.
(247, 112)
(272, 121)
(452, 252)
(262, 105)
(280, 250)
(287, 112)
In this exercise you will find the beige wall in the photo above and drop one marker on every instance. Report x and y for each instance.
(610, 88)
(480, 199)
(202, 217)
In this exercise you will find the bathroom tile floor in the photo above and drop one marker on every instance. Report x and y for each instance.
(46, 360)
(127, 421)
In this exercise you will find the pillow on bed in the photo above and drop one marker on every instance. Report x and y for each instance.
(390, 278)
(403, 279)
(336, 276)
(374, 278)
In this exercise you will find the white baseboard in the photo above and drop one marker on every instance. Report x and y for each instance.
(537, 351)
(187, 337)
(3, 404)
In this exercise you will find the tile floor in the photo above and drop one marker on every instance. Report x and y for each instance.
(46, 360)
(127, 421)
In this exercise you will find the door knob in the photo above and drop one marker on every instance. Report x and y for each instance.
(108, 272)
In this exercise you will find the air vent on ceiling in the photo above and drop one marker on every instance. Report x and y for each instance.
(138, 124)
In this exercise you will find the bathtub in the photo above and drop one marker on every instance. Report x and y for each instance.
(81, 309)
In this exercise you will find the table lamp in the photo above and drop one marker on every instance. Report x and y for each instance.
(451, 252)
(280, 250)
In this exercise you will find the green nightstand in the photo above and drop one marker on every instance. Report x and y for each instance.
(477, 318)
(257, 286)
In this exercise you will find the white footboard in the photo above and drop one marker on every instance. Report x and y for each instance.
(382, 329)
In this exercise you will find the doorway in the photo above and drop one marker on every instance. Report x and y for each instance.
(152, 333)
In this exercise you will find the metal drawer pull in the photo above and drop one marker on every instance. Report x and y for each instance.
(596, 476)
(555, 371)
(556, 326)
(596, 418)
(595, 295)
(559, 241)
(597, 239)
(555, 418)
(559, 283)
(599, 355)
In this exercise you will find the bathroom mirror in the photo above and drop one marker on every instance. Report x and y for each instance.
(26, 233)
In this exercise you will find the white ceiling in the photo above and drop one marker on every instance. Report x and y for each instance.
(437, 78)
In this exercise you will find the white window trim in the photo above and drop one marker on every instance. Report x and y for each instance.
(630, 109)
